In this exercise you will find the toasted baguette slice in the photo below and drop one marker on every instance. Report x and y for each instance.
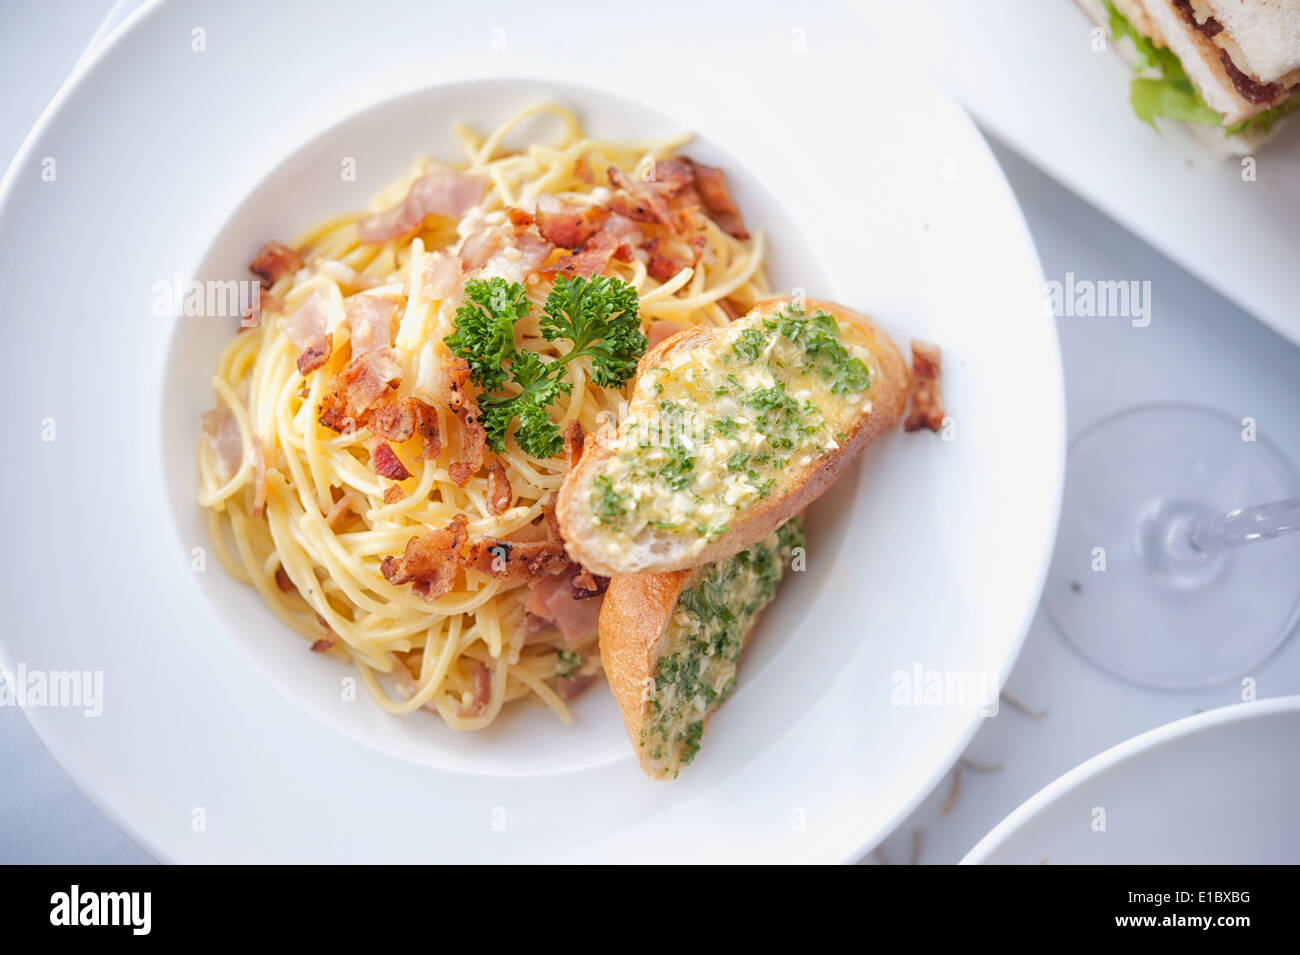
(730, 432)
(670, 644)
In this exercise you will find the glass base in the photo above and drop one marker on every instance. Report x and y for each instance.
(1125, 586)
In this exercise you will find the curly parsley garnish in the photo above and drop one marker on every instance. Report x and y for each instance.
(600, 319)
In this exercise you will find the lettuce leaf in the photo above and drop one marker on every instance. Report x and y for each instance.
(1265, 120)
(1172, 95)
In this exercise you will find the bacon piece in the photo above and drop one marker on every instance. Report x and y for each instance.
(927, 398)
(591, 259)
(307, 323)
(661, 268)
(733, 312)
(583, 584)
(282, 581)
(569, 687)
(370, 322)
(274, 260)
(323, 644)
(482, 694)
(386, 463)
(430, 559)
(661, 330)
(552, 600)
(622, 227)
(503, 559)
(519, 218)
(465, 407)
(479, 247)
(439, 193)
(393, 493)
(500, 494)
(641, 200)
(221, 431)
(426, 426)
(582, 170)
(573, 443)
(711, 186)
(394, 420)
(569, 226)
(315, 355)
(357, 389)
(442, 274)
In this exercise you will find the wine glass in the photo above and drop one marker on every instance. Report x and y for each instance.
(1151, 578)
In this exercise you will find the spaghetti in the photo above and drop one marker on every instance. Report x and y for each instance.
(297, 509)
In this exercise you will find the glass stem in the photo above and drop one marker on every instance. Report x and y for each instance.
(1244, 525)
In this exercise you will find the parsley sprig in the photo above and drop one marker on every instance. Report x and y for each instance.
(599, 318)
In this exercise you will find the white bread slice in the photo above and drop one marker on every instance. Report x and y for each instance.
(724, 507)
(645, 620)
(1266, 33)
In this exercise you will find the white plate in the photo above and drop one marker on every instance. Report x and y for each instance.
(1029, 74)
(171, 160)
(1215, 788)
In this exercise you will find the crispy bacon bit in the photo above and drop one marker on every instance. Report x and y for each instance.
(661, 268)
(439, 193)
(315, 354)
(465, 407)
(386, 463)
(583, 584)
(519, 218)
(282, 580)
(426, 425)
(340, 510)
(568, 226)
(259, 478)
(393, 420)
(430, 559)
(274, 260)
(591, 258)
(357, 389)
(323, 644)
(482, 694)
(644, 201)
(573, 443)
(494, 557)
(370, 322)
(582, 170)
(733, 312)
(393, 493)
(500, 494)
(927, 398)
(711, 185)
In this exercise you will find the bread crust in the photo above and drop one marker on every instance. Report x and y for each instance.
(633, 624)
(889, 390)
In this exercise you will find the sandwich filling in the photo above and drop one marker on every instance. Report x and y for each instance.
(700, 650)
(718, 428)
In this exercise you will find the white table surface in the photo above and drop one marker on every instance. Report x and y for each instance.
(1198, 347)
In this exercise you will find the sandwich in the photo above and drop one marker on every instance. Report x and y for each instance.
(729, 433)
(1229, 70)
